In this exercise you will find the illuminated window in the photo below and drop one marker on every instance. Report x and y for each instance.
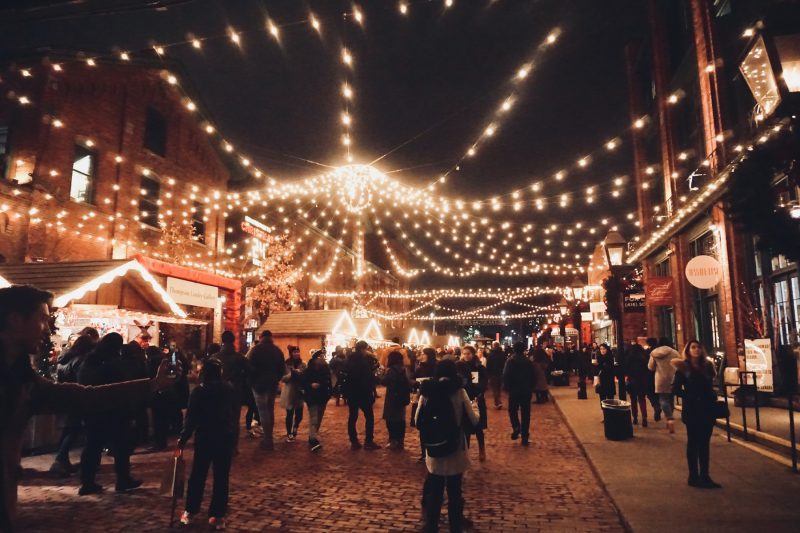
(199, 223)
(155, 132)
(148, 201)
(760, 77)
(83, 170)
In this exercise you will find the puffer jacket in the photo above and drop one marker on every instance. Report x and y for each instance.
(659, 362)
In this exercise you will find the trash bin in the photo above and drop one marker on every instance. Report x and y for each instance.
(617, 419)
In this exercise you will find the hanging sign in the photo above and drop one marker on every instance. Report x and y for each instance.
(191, 293)
(703, 271)
(758, 359)
(259, 241)
(658, 290)
(633, 302)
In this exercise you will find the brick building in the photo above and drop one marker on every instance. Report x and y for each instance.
(95, 157)
(712, 83)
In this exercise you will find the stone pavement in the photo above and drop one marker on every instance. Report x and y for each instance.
(546, 487)
(646, 477)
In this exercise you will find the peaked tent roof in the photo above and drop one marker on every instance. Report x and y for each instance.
(316, 322)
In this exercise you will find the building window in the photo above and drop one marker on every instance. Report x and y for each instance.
(148, 201)
(199, 222)
(83, 173)
(155, 132)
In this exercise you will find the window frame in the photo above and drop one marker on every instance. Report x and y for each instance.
(198, 222)
(152, 205)
(150, 135)
(91, 177)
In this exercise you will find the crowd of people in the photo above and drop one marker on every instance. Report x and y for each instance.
(444, 389)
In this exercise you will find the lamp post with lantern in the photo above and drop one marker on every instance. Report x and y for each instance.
(614, 245)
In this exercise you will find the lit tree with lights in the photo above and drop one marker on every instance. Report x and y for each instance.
(175, 241)
(275, 289)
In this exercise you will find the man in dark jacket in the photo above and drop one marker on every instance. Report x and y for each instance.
(234, 371)
(518, 377)
(495, 362)
(267, 367)
(24, 319)
(359, 391)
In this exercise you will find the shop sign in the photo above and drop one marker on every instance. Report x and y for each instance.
(633, 302)
(703, 271)
(597, 307)
(191, 293)
(260, 241)
(659, 290)
(758, 359)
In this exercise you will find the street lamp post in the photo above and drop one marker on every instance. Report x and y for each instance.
(614, 246)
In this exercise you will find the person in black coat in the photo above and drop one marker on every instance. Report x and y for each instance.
(518, 377)
(476, 381)
(425, 369)
(318, 389)
(134, 363)
(210, 418)
(104, 366)
(605, 371)
(359, 391)
(693, 383)
(637, 378)
(398, 396)
(495, 362)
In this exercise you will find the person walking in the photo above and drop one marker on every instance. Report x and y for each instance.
(359, 391)
(398, 396)
(694, 378)
(652, 397)
(266, 370)
(541, 364)
(318, 389)
(234, 372)
(476, 381)
(69, 362)
(518, 378)
(292, 392)
(210, 417)
(495, 362)
(443, 404)
(661, 363)
(605, 372)
(425, 369)
(637, 378)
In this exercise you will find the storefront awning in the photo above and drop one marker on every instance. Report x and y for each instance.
(80, 311)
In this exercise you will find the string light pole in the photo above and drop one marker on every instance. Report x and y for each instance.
(614, 246)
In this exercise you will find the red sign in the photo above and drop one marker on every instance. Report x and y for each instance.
(659, 291)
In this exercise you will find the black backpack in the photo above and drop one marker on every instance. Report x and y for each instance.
(437, 425)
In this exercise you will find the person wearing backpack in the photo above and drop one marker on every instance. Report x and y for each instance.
(518, 379)
(398, 396)
(443, 404)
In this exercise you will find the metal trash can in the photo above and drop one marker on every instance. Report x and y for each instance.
(617, 419)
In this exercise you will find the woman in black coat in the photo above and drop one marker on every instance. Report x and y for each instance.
(693, 382)
(638, 381)
(317, 391)
(398, 396)
(468, 366)
(605, 372)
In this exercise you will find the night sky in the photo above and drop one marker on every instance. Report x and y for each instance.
(438, 71)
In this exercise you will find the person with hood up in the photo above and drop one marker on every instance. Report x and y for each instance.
(443, 404)
(318, 390)
(210, 418)
(694, 383)
(661, 363)
(292, 393)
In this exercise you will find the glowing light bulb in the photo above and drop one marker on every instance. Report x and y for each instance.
(347, 91)
(235, 38)
(490, 130)
(315, 22)
(196, 44)
(403, 7)
(358, 15)
(639, 123)
(522, 73)
(273, 29)
(346, 119)
(347, 58)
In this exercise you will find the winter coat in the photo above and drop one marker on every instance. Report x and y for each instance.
(319, 372)
(234, 368)
(636, 371)
(495, 362)
(660, 359)
(69, 361)
(475, 390)
(695, 388)
(292, 392)
(211, 415)
(359, 379)
(266, 367)
(519, 376)
(606, 371)
(398, 393)
(457, 462)
(23, 393)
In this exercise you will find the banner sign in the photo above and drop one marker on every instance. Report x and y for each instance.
(758, 359)
(260, 241)
(633, 302)
(659, 290)
(191, 293)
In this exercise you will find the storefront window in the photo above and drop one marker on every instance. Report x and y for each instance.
(779, 262)
(707, 324)
(783, 318)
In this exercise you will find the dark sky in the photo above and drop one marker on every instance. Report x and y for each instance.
(440, 70)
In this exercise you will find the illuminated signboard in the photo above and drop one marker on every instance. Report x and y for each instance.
(259, 242)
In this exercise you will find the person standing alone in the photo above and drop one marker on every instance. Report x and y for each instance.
(660, 362)
(518, 377)
(292, 393)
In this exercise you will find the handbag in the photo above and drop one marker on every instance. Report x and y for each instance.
(721, 409)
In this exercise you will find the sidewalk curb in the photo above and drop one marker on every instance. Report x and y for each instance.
(623, 521)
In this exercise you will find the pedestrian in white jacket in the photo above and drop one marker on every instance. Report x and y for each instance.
(660, 363)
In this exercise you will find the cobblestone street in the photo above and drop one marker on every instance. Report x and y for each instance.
(547, 487)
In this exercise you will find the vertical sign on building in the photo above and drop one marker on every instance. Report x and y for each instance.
(259, 242)
(758, 359)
